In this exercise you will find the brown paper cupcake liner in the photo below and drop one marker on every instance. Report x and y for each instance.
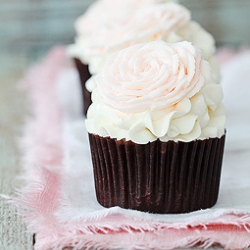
(84, 76)
(158, 177)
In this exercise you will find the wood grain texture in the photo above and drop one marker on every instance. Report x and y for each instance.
(13, 235)
(30, 28)
(227, 20)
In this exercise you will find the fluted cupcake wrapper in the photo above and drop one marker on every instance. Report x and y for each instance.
(84, 76)
(158, 177)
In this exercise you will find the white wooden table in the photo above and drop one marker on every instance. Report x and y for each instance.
(13, 234)
(27, 30)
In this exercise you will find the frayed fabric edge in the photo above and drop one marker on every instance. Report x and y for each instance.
(168, 239)
(229, 231)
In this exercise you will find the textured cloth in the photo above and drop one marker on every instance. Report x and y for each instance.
(59, 203)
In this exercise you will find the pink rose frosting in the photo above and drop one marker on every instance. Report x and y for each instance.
(102, 11)
(152, 76)
(98, 13)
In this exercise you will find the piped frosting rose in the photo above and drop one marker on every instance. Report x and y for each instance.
(156, 91)
(152, 76)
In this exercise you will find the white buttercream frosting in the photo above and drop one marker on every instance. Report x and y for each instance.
(147, 22)
(124, 23)
(156, 90)
(102, 13)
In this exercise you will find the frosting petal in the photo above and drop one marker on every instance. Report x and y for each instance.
(152, 76)
(133, 100)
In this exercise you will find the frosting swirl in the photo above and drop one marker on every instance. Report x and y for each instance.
(152, 76)
(149, 23)
(135, 103)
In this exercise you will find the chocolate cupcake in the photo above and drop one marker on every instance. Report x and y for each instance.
(157, 130)
(157, 177)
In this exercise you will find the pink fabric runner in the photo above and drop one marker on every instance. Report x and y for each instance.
(58, 201)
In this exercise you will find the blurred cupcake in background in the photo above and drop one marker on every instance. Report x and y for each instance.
(127, 22)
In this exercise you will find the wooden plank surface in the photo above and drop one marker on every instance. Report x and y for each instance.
(13, 234)
(227, 20)
(28, 29)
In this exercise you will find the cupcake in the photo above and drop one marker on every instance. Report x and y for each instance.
(128, 22)
(157, 129)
